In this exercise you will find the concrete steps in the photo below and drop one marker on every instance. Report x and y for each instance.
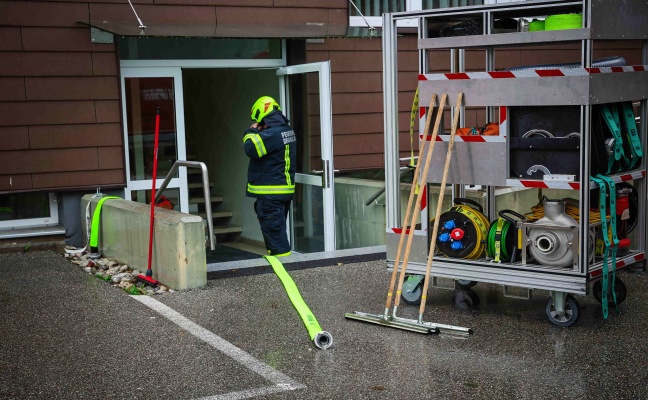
(224, 231)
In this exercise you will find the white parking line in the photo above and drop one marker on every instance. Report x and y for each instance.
(281, 381)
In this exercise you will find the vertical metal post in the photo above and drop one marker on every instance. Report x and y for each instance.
(490, 117)
(423, 69)
(390, 109)
(641, 186)
(585, 167)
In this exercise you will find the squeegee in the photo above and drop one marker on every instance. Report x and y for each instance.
(408, 229)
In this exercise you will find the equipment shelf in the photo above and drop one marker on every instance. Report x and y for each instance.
(485, 160)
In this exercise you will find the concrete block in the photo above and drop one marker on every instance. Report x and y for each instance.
(179, 258)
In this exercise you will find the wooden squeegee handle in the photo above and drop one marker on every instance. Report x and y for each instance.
(406, 221)
(435, 228)
(417, 207)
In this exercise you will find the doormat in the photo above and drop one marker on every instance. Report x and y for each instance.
(223, 253)
(297, 265)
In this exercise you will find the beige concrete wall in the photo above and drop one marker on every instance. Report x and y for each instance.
(179, 259)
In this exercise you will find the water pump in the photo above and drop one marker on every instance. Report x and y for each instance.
(551, 239)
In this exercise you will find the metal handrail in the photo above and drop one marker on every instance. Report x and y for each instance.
(205, 176)
(405, 171)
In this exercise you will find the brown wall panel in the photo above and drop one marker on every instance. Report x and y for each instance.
(362, 103)
(360, 161)
(10, 39)
(111, 157)
(154, 13)
(34, 13)
(318, 4)
(70, 136)
(338, 20)
(632, 56)
(353, 61)
(78, 88)
(407, 81)
(61, 39)
(359, 144)
(439, 60)
(45, 64)
(105, 64)
(108, 111)
(271, 16)
(344, 124)
(14, 138)
(236, 3)
(352, 82)
(47, 113)
(35, 161)
(135, 2)
(78, 179)
(339, 44)
(317, 56)
(537, 57)
(10, 183)
(407, 61)
(12, 89)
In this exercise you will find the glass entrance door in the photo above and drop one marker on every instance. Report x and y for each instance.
(145, 90)
(305, 93)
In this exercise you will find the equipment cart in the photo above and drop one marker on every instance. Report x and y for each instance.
(553, 134)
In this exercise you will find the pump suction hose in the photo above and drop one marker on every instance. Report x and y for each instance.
(612, 61)
(321, 339)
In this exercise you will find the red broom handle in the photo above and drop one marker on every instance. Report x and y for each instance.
(155, 160)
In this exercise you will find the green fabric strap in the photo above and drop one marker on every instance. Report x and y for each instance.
(632, 132)
(295, 298)
(96, 216)
(613, 229)
(606, 240)
(612, 120)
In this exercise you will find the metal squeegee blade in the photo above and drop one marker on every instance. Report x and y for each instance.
(379, 320)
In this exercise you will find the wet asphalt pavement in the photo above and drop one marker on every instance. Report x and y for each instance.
(67, 335)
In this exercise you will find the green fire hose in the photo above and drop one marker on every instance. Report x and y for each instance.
(322, 339)
(94, 230)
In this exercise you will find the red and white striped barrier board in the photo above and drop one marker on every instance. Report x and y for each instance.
(622, 263)
(531, 73)
(469, 138)
(536, 183)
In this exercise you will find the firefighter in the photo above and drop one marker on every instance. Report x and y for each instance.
(271, 145)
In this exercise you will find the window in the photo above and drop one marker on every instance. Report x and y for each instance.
(24, 210)
(155, 48)
(372, 10)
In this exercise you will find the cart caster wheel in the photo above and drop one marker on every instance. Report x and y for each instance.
(619, 287)
(465, 299)
(412, 290)
(465, 284)
(569, 317)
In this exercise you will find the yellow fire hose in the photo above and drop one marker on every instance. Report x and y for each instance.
(320, 338)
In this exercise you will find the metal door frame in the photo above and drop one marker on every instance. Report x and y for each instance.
(326, 181)
(181, 182)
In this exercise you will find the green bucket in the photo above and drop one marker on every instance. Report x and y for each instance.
(563, 21)
(536, 25)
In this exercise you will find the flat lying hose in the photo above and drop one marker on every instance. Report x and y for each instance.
(613, 61)
(322, 339)
(537, 212)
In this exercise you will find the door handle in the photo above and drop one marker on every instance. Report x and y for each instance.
(326, 181)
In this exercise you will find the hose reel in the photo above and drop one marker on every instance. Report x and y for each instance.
(462, 230)
(502, 238)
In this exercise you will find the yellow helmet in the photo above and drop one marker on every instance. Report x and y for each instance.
(262, 107)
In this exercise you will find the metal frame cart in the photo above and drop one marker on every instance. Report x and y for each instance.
(486, 161)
